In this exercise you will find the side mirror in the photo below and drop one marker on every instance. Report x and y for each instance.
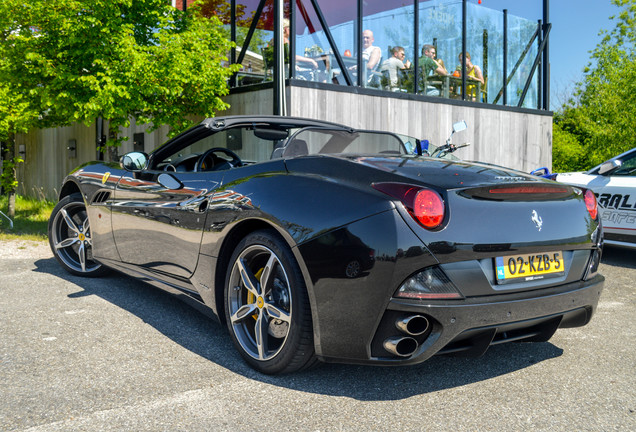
(134, 161)
(609, 166)
(459, 126)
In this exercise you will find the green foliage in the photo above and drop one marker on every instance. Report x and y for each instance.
(567, 151)
(8, 181)
(74, 60)
(31, 218)
(602, 114)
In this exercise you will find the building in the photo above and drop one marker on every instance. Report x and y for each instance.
(509, 122)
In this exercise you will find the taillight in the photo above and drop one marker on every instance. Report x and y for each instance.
(428, 208)
(425, 205)
(590, 203)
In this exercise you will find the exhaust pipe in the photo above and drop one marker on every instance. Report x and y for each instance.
(401, 346)
(414, 325)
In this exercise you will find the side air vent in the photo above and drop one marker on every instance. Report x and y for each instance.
(101, 197)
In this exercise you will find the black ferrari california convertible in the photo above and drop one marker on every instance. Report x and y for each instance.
(315, 242)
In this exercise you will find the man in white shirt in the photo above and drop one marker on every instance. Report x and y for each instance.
(371, 55)
(392, 64)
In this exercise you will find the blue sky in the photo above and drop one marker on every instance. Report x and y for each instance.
(575, 28)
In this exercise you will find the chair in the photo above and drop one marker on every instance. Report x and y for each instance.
(385, 80)
(373, 77)
(404, 82)
(433, 85)
(476, 89)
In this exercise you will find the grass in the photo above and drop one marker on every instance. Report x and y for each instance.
(30, 221)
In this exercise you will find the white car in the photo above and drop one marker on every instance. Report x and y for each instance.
(614, 184)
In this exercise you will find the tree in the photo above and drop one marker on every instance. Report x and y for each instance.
(568, 154)
(602, 114)
(72, 61)
(15, 116)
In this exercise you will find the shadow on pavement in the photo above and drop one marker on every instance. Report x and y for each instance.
(210, 340)
(621, 257)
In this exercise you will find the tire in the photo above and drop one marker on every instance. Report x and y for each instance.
(70, 237)
(270, 324)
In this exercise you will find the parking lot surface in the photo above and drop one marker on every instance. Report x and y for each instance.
(114, 354)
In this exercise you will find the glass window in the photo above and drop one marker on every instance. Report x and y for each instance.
(441, 27)
(490, 22)
(521, 55)
(387, 24)
(391, 25)
(324, 141)
(312, 42)
(240, 141)
(628, 165)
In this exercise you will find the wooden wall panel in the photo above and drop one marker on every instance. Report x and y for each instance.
(516, 139)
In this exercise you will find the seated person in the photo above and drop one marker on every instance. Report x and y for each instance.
(393, 64)
(370, 54)
(430, 66)
(473, 73)
(301, 61)
(371, 60)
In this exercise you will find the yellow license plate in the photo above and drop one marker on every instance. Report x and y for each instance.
(529, 267)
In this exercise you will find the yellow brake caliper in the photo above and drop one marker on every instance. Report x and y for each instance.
(251, 298)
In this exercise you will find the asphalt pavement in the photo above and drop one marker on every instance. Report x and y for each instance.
(114, 354)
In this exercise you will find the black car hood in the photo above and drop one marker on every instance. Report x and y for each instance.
(444, 173)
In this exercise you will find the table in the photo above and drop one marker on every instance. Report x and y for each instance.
(328, 60)
(455, 83)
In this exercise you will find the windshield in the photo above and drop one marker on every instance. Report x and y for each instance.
(328, 141)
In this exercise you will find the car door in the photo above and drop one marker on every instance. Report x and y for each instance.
(616, 193)
(158, 214)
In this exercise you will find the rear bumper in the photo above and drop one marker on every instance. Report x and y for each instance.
(470, 326)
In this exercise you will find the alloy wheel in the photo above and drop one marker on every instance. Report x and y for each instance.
(70, 237)
(260, 302)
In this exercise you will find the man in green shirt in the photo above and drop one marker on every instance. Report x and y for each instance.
(429, 66)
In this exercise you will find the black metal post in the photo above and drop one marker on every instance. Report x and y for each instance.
(464, 30)
(280, 107)
(233, 30)
(546, 55)
(184, 5)
(540, 68)
(233, 78)
(416, 49)
(505, 56)
(292, 39)
(358, 41)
